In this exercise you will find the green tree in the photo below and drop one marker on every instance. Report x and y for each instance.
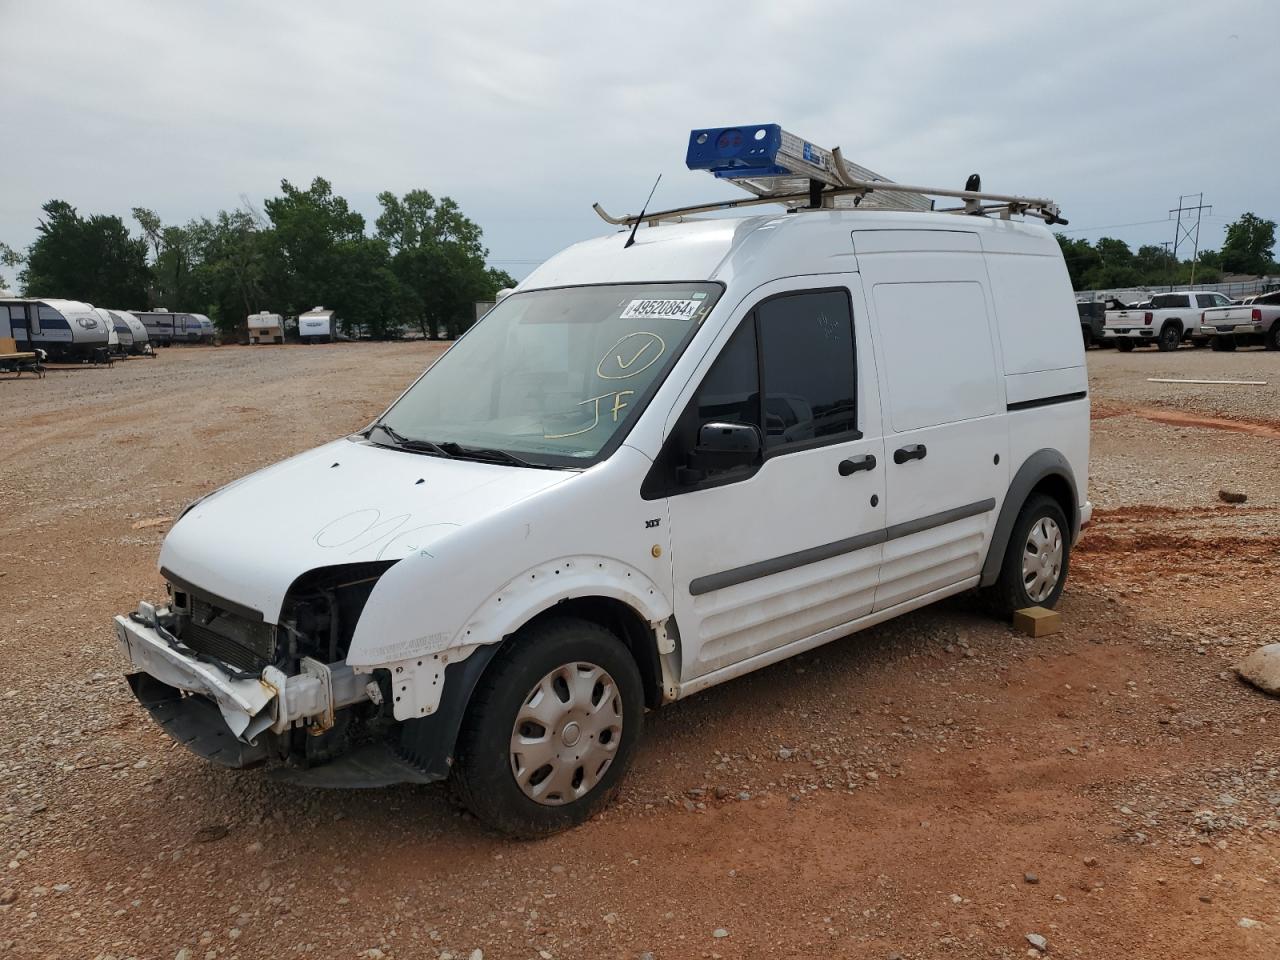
(1154, 264)
(439, 255)
(229, 275)
(92, 259)
(1249, 245)
(311, 232)
(10, 258)
(1080, 258)
(152, 228)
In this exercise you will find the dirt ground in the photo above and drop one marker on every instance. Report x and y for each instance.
(938, 786)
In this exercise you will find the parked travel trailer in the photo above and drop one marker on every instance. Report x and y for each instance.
(266, 327)
(118, 343)
(65, 329)
(159, 324)
(138, 339)
(318, 325)
(193, 328)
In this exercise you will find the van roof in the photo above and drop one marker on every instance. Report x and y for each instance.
(767, 247)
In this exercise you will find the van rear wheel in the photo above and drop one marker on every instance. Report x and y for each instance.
(1036, 560)
(551, 729)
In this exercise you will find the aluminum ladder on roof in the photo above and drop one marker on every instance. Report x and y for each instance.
(776, 166)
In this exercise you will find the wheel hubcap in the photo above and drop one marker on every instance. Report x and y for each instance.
(566, 733)
(1042, 559)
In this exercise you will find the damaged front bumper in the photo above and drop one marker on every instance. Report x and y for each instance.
(250, 706)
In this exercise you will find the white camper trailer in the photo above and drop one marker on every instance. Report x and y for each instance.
(159, 324)
(192, 328)
(318, 325)
(117, 343)
(133, 333)
(266, 327)
(66, 330)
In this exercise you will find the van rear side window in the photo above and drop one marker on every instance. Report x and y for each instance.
(937, 349)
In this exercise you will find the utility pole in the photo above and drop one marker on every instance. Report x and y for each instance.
(1190, 230)
(1168, 261)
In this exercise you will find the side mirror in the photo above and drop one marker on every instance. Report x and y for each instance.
(723, 446)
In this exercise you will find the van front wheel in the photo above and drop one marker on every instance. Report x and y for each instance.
(1036, 560)
(551, 728)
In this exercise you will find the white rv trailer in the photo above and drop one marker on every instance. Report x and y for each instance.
(159, 324)
(139, 343)
(318, 325)
(192, 328)
(65, 329)
(117, 342)
(266, 327)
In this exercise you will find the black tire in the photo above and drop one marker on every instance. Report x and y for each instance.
(1170, 337)
(483, 775)
(1124, 345)
(1087, 334)
(1224, 343)
(1272, 338)
(1009, 592)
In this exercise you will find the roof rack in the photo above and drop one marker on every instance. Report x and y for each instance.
(778, 167)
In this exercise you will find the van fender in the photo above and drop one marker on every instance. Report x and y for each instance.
(418, 666)
(1043, 463)
(540, 588)
(432, 691)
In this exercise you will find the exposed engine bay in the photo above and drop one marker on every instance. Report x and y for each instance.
(270, 692)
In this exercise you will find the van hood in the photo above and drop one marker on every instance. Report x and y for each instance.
(346, 502)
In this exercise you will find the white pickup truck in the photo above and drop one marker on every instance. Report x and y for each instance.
(1257, 320)
(1167, 321)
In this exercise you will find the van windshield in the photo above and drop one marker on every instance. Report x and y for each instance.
(555, 376)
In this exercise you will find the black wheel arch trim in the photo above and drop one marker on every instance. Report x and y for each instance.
(1043, 463)
(429, 742)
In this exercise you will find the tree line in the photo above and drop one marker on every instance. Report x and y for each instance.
(1109, 263)
(422, 266)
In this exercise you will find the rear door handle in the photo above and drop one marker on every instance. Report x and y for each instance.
(857, 464)
(915, 451)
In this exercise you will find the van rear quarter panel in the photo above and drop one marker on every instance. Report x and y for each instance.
(1043, 357)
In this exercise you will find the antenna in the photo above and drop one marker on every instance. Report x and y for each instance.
(632, 238)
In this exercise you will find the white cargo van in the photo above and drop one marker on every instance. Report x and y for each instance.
(670, 457)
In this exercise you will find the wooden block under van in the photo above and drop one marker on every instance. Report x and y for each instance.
(8, 345)
(1037, 621)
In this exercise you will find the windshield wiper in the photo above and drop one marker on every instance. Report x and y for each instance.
(487, 453)
(411, 444)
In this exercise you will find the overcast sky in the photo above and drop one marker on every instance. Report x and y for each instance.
(526, 112)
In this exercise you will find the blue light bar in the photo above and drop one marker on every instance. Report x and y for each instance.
(733, 152)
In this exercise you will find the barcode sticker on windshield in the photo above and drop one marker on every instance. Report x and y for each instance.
(660, 309)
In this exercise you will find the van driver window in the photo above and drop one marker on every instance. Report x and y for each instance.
(806, 341)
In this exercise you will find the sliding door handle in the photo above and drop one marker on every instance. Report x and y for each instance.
(856, 465)
(915, 451)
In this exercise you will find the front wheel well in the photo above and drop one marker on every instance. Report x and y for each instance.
(628, 625)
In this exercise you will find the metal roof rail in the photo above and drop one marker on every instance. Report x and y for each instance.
(779, 167)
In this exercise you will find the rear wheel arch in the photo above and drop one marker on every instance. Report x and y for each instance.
(1046, 472)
